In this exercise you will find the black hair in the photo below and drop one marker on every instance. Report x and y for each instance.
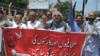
(1, 12)
(19, 14)
(79, 16)
(5, 10)
(49, 12)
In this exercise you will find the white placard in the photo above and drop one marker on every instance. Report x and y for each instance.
(38, 4)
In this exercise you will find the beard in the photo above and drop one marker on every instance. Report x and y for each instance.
(91, 19)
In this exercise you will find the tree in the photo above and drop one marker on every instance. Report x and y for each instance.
(63, 8)
(17, 3)
(78, 12)
(98, 13)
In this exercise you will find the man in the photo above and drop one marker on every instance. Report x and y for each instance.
(92, 40)
(2, 24)
(5, 14)
(18, 22)
(97, 39)
(49, 16)
(57, 23)
(78, 23)
(2, 21)
(33, 23)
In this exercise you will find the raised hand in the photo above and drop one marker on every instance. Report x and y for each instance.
(10, 4)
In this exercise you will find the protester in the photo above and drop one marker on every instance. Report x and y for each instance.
(92, 40)
(78, 23)
(33, 23)
(57, 24)
(49, 16)
(17, 23)
(2, 24)
(97, 39)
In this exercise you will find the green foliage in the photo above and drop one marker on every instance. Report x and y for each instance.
(98, 13)
(63, 9)
(77, 13)
(23, 3)
(17, 3)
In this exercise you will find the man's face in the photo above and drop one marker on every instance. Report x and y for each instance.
(32, 16)
(57, 17)
(92, 16)
(79, 19)
(49, 15)
(18, 18)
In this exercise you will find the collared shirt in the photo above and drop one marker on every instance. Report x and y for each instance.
(49, 21)
(35, 24)
(20, 25)
(89, 26)
(78, 27)
(91, 40)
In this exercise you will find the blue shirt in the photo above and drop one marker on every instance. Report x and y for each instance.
(78, 27)
(91, 40)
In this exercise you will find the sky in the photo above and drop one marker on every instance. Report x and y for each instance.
(91, 5)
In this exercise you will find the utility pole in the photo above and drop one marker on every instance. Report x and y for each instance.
(97, 2)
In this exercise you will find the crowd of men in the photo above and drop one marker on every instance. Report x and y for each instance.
(53, 21)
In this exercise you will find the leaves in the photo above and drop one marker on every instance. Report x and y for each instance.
(63, 9)
(17, 3)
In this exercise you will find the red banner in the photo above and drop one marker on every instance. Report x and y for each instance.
(25, 42)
